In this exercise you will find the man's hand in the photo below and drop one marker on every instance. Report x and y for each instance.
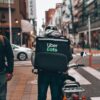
(9, 76)
(35, 71)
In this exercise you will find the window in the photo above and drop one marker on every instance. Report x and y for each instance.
(6, 1)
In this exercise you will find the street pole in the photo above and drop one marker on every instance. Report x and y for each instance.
(10, 24)
(89, 31)
(21, 38)
(90, 53)
(72, 18)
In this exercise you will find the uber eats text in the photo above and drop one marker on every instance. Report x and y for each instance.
(52, 47)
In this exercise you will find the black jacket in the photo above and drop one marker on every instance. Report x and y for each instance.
(6, 56)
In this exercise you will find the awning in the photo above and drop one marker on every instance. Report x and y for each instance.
(26, 26)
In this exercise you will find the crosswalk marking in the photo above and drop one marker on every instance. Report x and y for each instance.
(93, 72)
(95, 98)
(78, 77)
(87, 54)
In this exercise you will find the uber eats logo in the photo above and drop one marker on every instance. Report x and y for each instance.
(52, 47)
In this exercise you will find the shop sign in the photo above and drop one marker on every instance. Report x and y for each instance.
(31, 9)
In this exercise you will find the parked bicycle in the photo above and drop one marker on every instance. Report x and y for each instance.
(71, 89)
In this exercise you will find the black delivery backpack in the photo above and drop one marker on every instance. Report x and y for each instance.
(52, 54)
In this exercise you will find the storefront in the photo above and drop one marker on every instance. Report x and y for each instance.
(16, 34)
(95, 38)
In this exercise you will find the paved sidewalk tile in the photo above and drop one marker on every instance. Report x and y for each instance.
(23, 86)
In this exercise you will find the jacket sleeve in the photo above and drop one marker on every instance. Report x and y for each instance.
(9, 56)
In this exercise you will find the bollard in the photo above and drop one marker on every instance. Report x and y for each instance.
(64, 98)
(83, 97)
(75, 97)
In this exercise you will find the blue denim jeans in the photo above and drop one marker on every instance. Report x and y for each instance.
(3, 86)
(53, 80)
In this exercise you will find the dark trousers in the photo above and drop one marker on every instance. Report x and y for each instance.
(3, 86)
(46, 79)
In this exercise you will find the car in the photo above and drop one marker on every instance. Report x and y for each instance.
(21, 53)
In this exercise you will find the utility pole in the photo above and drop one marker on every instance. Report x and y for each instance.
(60, 19)
(83, 11)
(10, 23)
(89, 30)
(72, 18)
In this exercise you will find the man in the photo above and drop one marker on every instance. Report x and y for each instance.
(6, 65)
(50, 78)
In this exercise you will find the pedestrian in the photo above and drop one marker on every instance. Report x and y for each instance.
(50, 79)
(6, 65)
(83, 44)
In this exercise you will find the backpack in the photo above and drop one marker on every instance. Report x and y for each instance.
(52, 54)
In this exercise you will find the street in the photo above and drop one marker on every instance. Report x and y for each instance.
(26, 23)
(23, 86)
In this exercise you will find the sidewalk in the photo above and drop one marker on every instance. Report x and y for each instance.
(93, 51)
(95, 54)
(23, 86)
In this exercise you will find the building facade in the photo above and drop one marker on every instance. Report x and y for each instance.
(49, 15)
(89, 9)
(16, 15)
(19, 11)
(72, 16)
